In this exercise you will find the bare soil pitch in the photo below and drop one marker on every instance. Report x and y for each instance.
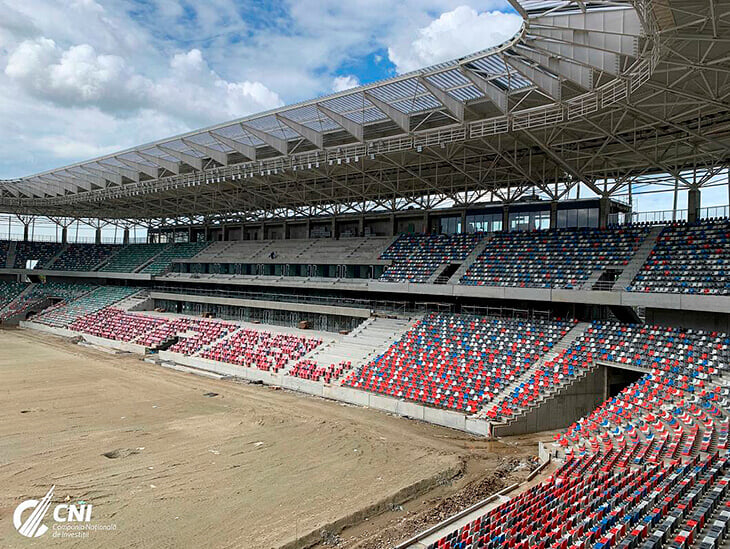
(251, 467)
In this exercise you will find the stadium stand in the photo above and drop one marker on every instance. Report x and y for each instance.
(458, 362)
(9, 291)
(175, 251)
(309, 369)
(64, 314)
(83, 257)
(261, 349)
(132, 257)
(203, 334)
(561, 258)
(43, 252)
(115, 324)
(688, 259)
(416, 257)
(36, 293)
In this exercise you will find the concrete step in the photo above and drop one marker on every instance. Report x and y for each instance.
(640, 257)
(478, 249)
(573, 334)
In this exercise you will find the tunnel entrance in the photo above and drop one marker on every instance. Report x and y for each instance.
(617, 379)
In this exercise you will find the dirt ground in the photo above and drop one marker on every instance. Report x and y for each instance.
(251, 467)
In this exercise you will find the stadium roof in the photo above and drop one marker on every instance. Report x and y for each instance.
(603, 93)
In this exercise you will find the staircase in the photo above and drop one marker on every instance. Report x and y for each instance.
(370, 339)
(591, 280)
(144, 264)
(10, 259)
(51, 261)
(471, 258)
(573, 334)
(133, 302)
(640, 257)
(108, 259)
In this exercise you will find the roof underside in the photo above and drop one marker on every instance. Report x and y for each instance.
(603, 93)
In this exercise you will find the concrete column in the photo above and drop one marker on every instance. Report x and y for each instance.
(190, 233)
(287, 232)
(206, 228)
(361, 226)
(97, 235)
(125, 237)
(505, 218)
(26, 231)
(694, 201)
(554, 214)
(262, 233)
(393, 225)
(64, 235)
(603, 211)
(309, 227)
(463, 222)
(333, 228)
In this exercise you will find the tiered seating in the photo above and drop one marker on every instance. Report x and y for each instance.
(64, 314)
(458, 362)
(41, 251)
(166, 331)
(4, 246)
(9, 291)
(416, 257)
(115, 324)
(309, 369)
(262, 350)
(558, 258)
(688, 259)
(38, 292)
(83, 257)
(201, 335)
(175, 251)
(583, 506)
(131, 257)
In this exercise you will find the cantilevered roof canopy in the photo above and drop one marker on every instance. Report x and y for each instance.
(587, 91)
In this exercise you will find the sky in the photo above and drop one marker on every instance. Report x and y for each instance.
(82, 78)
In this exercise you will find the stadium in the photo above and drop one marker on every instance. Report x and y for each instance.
(422, 313)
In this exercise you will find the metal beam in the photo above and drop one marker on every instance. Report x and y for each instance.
(124, 172)
(281, 145)
(307, 133)
(566, 69)
(219, 156)
(549, 85)
(454, 106)
(194, 162)
(353, 128)
(152, 171)
(496, 95)
(110, 177)
(605, 61)
(170, 166)
(249, 151)
(402, 120)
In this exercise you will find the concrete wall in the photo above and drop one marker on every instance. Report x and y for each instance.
(558, 412)
(445, 418)
(696, 320)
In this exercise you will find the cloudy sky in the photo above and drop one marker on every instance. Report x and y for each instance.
(80, 78)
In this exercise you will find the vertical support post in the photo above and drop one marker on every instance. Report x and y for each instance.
(64, 234)
(694, 201)
(554, 214)
(125, 236)
(26, 231)
(463, 221)
(97, 235)
(604, 205)
(262, 234)
(505, 218)
(361, 226)
(333, 228)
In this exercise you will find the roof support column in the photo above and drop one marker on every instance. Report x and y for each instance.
(463, 221)
(125, 237)
(554, 214)
(64, 234)
(505, 217)
(694, 202)
(97, 235)
(604, 206)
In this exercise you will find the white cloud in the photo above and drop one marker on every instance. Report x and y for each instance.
(81, 77)
(342, 83)
(454, 34)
